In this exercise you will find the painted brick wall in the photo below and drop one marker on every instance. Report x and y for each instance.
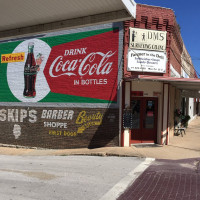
(59, 127)
(72, 117)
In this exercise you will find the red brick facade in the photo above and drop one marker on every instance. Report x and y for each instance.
(161, 19)
(178, 64)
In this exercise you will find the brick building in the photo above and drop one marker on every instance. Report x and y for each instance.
(159, 77)
(60, 71)
(103, 74)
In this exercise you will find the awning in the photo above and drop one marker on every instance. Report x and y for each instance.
(23, 13)
(190, 86)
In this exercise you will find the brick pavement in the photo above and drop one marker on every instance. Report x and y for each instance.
(167, 180)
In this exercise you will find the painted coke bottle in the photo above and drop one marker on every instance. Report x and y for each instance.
(30, 72)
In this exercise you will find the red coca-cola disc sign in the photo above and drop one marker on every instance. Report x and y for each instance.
(87, 67)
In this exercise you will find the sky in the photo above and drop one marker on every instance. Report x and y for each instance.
(188, 17)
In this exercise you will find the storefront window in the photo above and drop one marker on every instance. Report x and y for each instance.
(135, 105)
(149, 118)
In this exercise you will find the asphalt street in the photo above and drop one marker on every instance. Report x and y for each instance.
(65, 177)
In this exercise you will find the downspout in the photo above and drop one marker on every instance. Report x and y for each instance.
(120, 112)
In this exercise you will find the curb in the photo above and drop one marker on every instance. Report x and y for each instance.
(128, 180)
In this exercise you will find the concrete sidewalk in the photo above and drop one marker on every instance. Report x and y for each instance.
(180, 147)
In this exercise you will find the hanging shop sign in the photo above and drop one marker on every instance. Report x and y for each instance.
(146, 61)
(147, 39)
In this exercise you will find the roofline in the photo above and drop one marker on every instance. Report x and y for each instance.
(154, 6)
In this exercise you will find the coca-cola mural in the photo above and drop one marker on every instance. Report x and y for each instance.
(75, 67)
(60, 89)
(24, 80)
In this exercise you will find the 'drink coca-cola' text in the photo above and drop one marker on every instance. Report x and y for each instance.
(87, 66)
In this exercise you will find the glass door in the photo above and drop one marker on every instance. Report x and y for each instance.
(144, 112)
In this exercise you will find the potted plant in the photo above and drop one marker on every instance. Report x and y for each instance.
(177, 116)
(184, 120)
